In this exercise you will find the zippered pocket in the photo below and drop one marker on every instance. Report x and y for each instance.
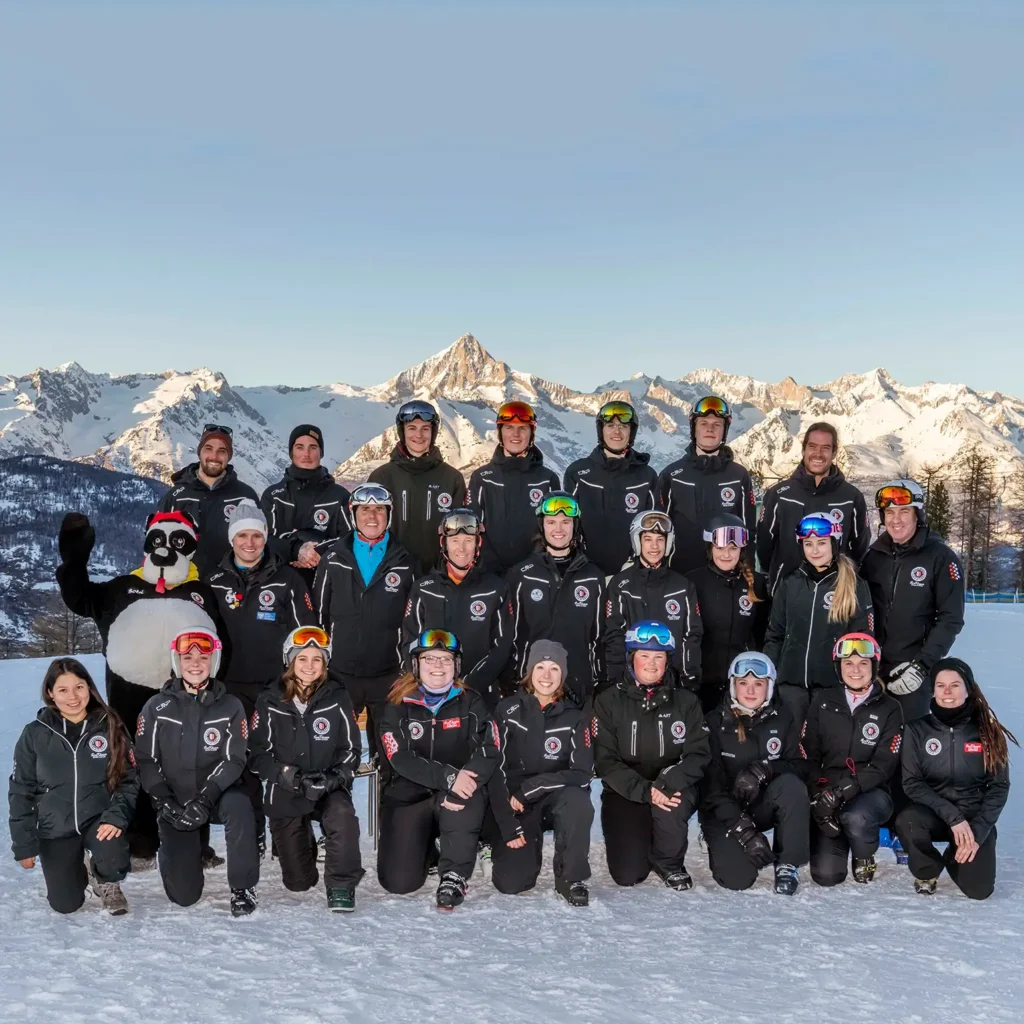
(405, 507)
(661, 738)
(632, 742)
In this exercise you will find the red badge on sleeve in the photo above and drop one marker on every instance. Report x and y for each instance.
(954, 571)
(390, 745)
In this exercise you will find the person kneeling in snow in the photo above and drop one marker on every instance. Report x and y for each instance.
(442, 746)
(190, 748)
(305, 747)
(651, 749)
(72, 791)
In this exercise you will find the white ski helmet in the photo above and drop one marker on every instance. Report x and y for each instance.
(652, 522)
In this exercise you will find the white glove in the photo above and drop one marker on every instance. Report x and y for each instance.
(904, 679)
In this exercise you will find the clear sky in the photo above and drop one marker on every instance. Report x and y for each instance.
(304, 192)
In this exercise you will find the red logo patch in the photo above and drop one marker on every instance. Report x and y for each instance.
(954, 571)
(896, 741)
(390, 745)
(131, 757)
(586, 737)
(451, 723)
(309, 604)
(974, 748)
(140, 726)
(497, 737)
(245, 729)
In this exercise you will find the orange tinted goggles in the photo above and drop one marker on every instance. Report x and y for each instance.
(517, 412)
(202, 642)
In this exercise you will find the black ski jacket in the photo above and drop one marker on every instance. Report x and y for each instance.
(858, 751)
(800, 637)
(731, 621)
(569, 609)
(210, 508)
(787, 502)
(423, 489)
(191, 746)
(944, 769)
(307, 505)
(478, 611)
(323, 738)
(610, 492)
(59, 787)
(426, 749)
(542, 750)
(259, 609)
(772, 739)
(364, 621)
(696, 488)
(643, 740)
(918, 593)
(639, 593)
(505, 494)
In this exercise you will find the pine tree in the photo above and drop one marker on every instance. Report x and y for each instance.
(939, 509)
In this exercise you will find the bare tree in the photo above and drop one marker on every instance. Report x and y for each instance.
(975, 514)
(59, 631)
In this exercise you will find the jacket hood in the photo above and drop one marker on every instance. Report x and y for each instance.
(829, 483)
(190, 475)
(270, 564)
(631, 458)
(330, 688)
(55, 720)
(213, 691)
(884, 542)
(419, 463)
(704, 461)
(529, 460)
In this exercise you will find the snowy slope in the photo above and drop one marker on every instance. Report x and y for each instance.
(148, 424)
(853, 955)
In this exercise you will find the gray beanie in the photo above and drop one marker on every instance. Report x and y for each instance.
(548, 650)
(246, 516)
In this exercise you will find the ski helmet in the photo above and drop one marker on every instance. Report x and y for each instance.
(417, 410)
(649, 635)
(864, 645)
(559, 503)
(436, 639)
(818, 524)
(370, 494)
(726, 529)
(652, 522)
(901, 494)
(710, 405)
(456, 521)
(621, 411)
(517, 412)
(306, 636)
(200, 638)
(752, 663)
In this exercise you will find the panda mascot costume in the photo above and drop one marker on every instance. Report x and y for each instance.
(138, 615)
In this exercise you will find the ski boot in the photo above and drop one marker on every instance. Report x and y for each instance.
(864, 869)
(486, 865)
(243, 902)
(576, 894)
(451, 892)
(343, 900)
(787, 879)
(211, 859)
(679, 880)
(925, 886)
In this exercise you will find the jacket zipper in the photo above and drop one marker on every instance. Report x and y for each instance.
(75, 759)
(661, 738)
(952, 759)
(404, 515)
(810, 633)
(632, 742)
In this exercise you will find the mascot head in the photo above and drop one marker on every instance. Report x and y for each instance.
(171, 541)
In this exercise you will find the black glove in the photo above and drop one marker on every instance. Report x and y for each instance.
(753, 841)
(291, 778)
(314, 785)
(76, 538)
(195, 814)
(170, 810)
(338, 778)
(748, 784)
(826, 803)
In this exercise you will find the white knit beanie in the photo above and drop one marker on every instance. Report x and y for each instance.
(246, 515)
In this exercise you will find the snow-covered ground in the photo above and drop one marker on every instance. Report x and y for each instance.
(874, 953)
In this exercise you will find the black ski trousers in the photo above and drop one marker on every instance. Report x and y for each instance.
(63, 863)
(370, 692)
(860, 820)
(247, 693)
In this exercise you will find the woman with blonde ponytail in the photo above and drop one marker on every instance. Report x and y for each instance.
(813, 607)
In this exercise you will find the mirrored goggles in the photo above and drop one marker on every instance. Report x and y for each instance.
(417, 411)
(752, 665)
(863, 646)
(559, 504)
(621, 411)
(723, 536)
(647, 632)
(440, 639)
(306, 635)
(216, 428)
(895, 495)
(712, 405)
(461, 522)
(203, 642)
(816, 526)
(370, 494)
(517, 412)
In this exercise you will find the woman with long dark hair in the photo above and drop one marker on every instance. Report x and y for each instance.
(956, 773)
(73, 791)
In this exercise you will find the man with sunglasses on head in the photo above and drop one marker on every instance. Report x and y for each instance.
(704, 483)
(362, 587)
(507, 491)
(208, 491)
(308, 509)
(423, 485)
(558, 594)
(917, 587)
(816, 485)
(464, 599)
(612, 484)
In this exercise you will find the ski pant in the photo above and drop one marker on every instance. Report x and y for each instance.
(860, 819)
(296, 845)
(407, 834)
(180, 856)
(569, 813)
(783, 807)
(370, 692)
(248, 693)
(639, 837)
(919, 827)
(64, 870)
(796, 698)
(128, 700)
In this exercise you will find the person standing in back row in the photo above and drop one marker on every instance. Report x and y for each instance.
(306, 510)
(423, 485)
(705, 483)
(817, 485)
(208, 491)
(507, 491)
(612, 484)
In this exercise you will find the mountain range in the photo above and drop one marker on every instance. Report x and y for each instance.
(148, 424)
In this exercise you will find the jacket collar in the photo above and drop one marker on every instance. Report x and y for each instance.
(210, 694)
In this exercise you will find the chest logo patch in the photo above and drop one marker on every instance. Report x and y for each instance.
(728, 496)
(828, 599)
(391, 582)
(537, 594)
(415, 730)
(228, 511)
(870, 731)
(535, 495)
(321, 727)
(321, 517)
(552, 745)
(477, 609)
(444, 500)
(211, 737)
(773, 746)
(933, 747)
(98, 746)
(678, 730)
(672, 608)
(267, 598)
(582, 595)
(918, 575)
(746, 605)
(632, 501)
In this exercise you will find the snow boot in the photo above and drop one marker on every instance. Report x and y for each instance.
(243, 902)
(787, 879)
(679, 880)
(211, 859)
(486, 865)
(863, 869)
(925, 886)
(576, 894)
(139, 864)
(341, 900)
(451, 892)
(110, 893)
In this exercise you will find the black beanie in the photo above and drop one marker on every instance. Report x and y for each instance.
(306, 430)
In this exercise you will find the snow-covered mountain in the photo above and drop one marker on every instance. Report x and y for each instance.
(148, 424)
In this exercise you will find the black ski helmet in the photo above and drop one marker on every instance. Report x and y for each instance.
(617, 410)
(417, 410)
(723, 521)
(711, 405)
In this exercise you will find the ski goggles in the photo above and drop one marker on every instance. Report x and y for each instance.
(435, 639)
(216, 428)
(196, 640)
(460, 522)
(712, 405)
(752, 664)
(723, 536)
(559, 504)
(895, 494)
(621, 411)
(655, 522)
(651, 632)
(370, 494)
(517, 412)
(306, 635)
(417, 411)
(817, 526)
(862, 645)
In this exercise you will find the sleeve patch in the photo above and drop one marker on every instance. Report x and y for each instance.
(245, 728)
(954, 571)
(309, 603)
(140, 726)
(586, 737)
(607, 609)
(593, 726)
(871, 622)
(255, 721)
(131, 758)
(896, 741)
(390, 745)
(496, 734)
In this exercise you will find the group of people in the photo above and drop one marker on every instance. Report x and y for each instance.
(509, 642)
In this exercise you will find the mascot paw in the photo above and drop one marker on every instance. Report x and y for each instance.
(76, 538)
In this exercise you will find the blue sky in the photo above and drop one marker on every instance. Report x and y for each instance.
(307, 192)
